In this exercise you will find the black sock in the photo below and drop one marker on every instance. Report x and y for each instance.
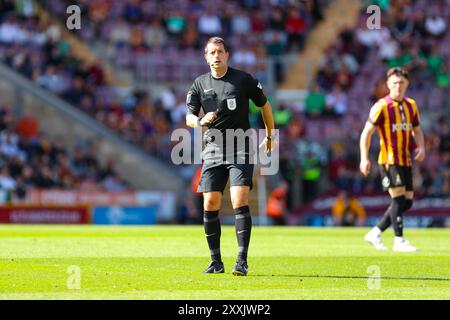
(397, 208)
(212, 230)
(386, 220)
(243, 230)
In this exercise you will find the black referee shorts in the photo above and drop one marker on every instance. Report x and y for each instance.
(394, 176)
(216, 178)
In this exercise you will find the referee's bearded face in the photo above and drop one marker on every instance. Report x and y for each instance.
(216, 56)
(397, 87)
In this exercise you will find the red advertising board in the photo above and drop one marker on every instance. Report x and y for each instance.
(44, 215)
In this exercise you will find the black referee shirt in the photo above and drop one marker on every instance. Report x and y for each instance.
(228, 96)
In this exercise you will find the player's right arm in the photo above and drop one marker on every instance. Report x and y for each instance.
(364, 146)
(193, 103)
(375, 118)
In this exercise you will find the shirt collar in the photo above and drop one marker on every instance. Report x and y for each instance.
(221, 76)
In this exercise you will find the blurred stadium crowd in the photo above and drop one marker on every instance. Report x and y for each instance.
(415, 36)
(318, 143)
(29, 159)
(176, 30)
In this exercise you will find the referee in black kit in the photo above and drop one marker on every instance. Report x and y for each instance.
(224, 95)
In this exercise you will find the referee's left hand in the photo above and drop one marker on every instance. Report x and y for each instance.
(269, 145)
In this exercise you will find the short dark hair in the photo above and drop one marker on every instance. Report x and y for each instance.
(217, 40)
(397, 71)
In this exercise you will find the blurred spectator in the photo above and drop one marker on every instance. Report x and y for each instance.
(276, 20)
(114, 184)
(258, 23)
(296, 29)
(168, 98)
(53, 80)
(348, 211)
(120, 32)
(244, 58)
(275, 48)
(403, 27)
(209, 23)
(241, 23)
(295, 129)
(191, 37)
(310, 165)
(336, 102)
(282, 116)
(155, 34)
(27, 126)
(6, 181)
(276, 204)
(435, 25)
(315, 103)
(133, 11)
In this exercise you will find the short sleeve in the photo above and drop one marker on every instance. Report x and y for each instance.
(255, 91)
(193, 102)
(376, 113)
(416, 114)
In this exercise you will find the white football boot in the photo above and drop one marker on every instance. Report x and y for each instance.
(401, 245)
(374, 237)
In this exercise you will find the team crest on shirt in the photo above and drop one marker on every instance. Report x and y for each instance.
(231, 104)
(386, 182)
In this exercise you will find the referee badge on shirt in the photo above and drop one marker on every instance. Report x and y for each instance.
(231, 104)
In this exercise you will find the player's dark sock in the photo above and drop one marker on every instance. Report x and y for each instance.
(243, 230)
(213, 230)
(386, 220)
(397, 208)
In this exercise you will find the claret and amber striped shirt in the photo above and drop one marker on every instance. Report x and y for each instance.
(395, 121)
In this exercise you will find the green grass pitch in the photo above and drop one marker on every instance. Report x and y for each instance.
(165, 262)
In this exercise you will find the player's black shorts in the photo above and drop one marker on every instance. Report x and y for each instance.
(393, 176)
(216, 178)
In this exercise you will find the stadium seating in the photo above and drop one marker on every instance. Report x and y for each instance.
(29, 160)
(361, 51)
(133, 33)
